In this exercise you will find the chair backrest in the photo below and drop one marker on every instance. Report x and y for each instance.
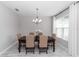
(40, 33)
(31, 33)
(18, 35)
(54, 36)
(43, 41)
(30, 41)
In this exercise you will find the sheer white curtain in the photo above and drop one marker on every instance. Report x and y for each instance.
(73, 37)
(74, 30)
(61, 25)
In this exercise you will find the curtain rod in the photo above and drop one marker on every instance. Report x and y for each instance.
(77, 2)
(62, 11)
(66, 8)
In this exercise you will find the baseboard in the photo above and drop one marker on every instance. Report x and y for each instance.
(7, 48)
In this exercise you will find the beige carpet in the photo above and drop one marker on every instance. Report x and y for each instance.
(13, 52)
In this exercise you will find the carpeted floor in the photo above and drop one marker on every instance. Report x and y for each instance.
(13, 52)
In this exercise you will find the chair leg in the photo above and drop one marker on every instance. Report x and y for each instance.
(39, 51)
(33, 51)
(19, 49)
(46, 51)
(26, 50)
(53, 47)
(19, 46)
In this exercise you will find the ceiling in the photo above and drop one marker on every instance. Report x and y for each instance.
(28, 8)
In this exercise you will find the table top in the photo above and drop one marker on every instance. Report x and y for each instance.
(49, 38)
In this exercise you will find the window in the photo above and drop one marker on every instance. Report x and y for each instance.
(62, 27)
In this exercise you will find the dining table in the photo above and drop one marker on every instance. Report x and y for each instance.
(23, 40)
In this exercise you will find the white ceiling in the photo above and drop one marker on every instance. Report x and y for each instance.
(46, 8)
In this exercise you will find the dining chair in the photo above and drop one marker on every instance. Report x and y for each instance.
(18, 37)
(30, 45)
(21, 41)
(54, 41)
(40, 33)
(43, 44)
(54, 36)
(32, 33)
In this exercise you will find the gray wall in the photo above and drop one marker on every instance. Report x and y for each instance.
(28, 26)
(10, 24)
(46, 26)
(8, 27)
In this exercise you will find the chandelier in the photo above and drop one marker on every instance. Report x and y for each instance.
(37, 20)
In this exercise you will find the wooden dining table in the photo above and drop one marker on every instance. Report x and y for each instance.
(23, 40)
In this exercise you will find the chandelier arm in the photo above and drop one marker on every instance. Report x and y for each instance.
(36, 21)
(37, 13)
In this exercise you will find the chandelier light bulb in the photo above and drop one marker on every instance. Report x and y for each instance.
(37, 21)
(40, 20)
(33, 20)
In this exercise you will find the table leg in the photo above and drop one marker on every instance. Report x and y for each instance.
(53, 46)
(19, 47)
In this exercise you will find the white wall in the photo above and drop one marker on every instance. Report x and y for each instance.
(28, 26)
(8, 27)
